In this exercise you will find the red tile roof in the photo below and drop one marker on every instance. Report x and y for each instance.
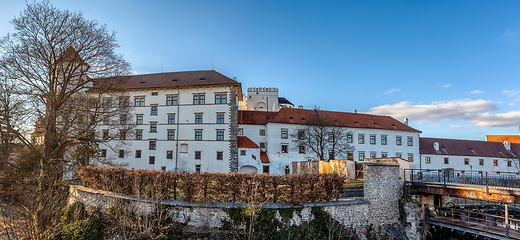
(245, 142)
(174, 79)
(502, 138)
(338, 119)
(254, 117)
(466, 148)
(264, 158)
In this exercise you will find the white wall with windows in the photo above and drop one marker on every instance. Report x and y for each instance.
(468, 163)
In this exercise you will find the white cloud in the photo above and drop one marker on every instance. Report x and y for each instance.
(509, 33)
(455, 126)
(392, 90)
(510, 93)
(477, 92)
(446, 85)
(474, 111)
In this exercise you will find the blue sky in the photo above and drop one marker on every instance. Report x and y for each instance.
(451, 67)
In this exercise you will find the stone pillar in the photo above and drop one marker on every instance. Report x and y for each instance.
(233, 130)
(383, 188)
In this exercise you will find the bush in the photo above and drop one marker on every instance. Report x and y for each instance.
(216, 187)
(82, 229)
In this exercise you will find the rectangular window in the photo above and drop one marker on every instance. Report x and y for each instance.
(197, 168)
(198, 155)
(361, 156)
(240, 131)
(155, 93)
(121, 153)
(372, 154)
(169, 154)
(265, 169)
(137, 153)
(220, 155)
(361, 139)
(262, 146)
(398, 140)
(151, 160)
(105, 134)
(139, 134)
(301, 149)
(220, 118)
(124, 102)
(163, 168)
(350, 155)
(372, 139)
(509, 163)
(103, 152)
(384, 154)
(383, 140)
(122, 134)
(481, 162)
(301, 135)
(153, 110)
(446, 160)
(495, 162)
(171, 134)
(198, 135)
(350, 138)
(106, 120)
(331, 155)
(284, 148)
(242, 152)
(139, 101)
(107, 102)
(427, 160)
(466, 161)
(410, 141)
(171, 100)
(153, 127)
(198, 118)
(399, 155)
(199, 99)
(410, 157)
(171, 119)
(122, 120)
(139, 119)
(220, 135)
(262, 132)
(220, 98)
(285, 134)
(152, 145)
(331, 137)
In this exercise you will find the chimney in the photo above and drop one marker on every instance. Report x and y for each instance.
(436, 146)
(507, 145)
(301, 106)
(354, 111)
(406, 121)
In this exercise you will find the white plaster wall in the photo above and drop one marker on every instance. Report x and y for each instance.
(267, 96)
(457, 163)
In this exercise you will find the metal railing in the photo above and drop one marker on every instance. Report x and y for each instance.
(448, 176)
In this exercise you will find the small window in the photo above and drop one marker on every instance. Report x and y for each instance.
(220, 118)
(265, 169)
(301, 149)
(284, 148)
(155, 93)
(331, 137)
(331, 155)
(152, 145)
(361, 156)
(169, 154)
(139, 119)
(220, 98)
(199, 99)
(287, 170)
(103, 152)
(361, 139)
(242, 152)
(163, 168)
(240, 131)
(171, 134)
(197, 168)
(350, 138)
(410, 157)
(139, 134)
(124, 102)
(105, 134)
(495, 162)
(171, 100)
(171, 119)
(121, 153)
(384, 154)
(220, 135)
(198, 118)
(198, 135)
(285, 134)
(427, 160)
(410, 141)
(372, 139)
(383, 140)
(137, 153)
(466, 161)
(372, 154)
(123, 120)
(198, 155)
(262, 132)
(153, 110)
(350, 155)
(509, 163)
(446, 160)
(151, 160)
(398, 140)
(301, 135)
(481, 162)
(153, 127)
(220, 155)
(399, 155)
(122, 134)
(262, 145)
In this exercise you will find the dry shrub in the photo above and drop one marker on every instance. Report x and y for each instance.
(214, 187)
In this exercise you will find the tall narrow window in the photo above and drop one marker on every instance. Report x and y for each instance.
(139, 134)
(220, 118)
(361, 156)
(285, 134)
(152, 145)
(446, 160)
(410, 157)
(137, 153)
(169, 154)
(197, 168)
(121, 153)
(495, 162)
(171, 100)
(198, 135)
(285, 148)
(383, 140)
(262, 132)
(240, 131)
(151, 160)
(410, 141)
(139, 119)
(265, 169)
(198, 155)
(122, 134)
(301, 149)
(372, 139)
(171, 119)
(153, 110)
(361, 139)
(349, 138)
(331, 137)
(428, 160)
(153, 127)
(220, 155)
(220, 135)
(198, 118)
(103, 152)
(220, 98)
(122, 120)
(398, 140)
(466, 161)
(171, 134)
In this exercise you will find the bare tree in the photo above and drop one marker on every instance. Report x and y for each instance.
(53, 56)
(327, 142)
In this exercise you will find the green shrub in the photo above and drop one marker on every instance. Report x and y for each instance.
(82, 230)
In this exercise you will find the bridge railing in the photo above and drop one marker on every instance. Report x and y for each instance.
(448, 176)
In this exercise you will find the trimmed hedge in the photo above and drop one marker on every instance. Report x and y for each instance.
(214, 187)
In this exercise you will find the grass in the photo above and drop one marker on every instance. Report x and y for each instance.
(353, 184)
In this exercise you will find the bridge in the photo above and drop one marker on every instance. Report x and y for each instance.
(497, 222)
